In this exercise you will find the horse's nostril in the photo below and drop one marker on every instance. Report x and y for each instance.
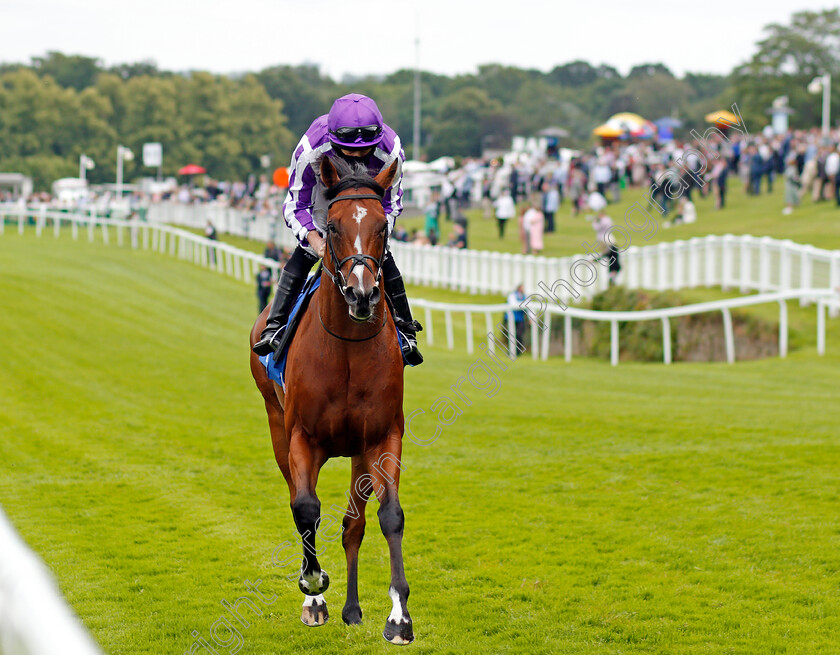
(351, 295)
(360, 300)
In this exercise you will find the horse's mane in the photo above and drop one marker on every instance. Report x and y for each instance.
(351, 176)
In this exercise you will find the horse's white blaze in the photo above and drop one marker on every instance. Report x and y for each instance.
(358, 271)
(360, 213)
(396, 615)
(312, 601)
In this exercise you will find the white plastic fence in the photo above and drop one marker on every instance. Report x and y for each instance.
(243, 265)
(228, 220)
(34, 619)
(823, 297)
(744, 262)
(221, 257)
(541, 328)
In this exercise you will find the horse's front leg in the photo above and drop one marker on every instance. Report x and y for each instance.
(305, 463)
(351, 539)
(384, 465)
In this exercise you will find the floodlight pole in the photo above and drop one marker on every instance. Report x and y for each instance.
(823, 82)
(119, 171)
(123, 153)
(416, 143)
(85, 164)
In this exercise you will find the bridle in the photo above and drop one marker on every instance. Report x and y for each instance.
(338, 278)
(357, 258)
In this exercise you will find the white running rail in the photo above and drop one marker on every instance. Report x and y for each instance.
(541, 330)
(221, 257)
(226, 220)
(243, 265)
(34, 619)
(744, 262)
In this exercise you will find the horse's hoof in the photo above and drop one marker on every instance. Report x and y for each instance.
(398, 633)
(352, 615)
(314, 611)
(314, 584)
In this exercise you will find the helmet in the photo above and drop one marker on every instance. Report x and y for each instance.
(354, 121)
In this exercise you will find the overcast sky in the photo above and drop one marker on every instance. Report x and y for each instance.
(361, 36)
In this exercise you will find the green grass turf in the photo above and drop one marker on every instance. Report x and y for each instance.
(582, 509)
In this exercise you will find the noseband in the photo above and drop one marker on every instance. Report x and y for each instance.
(338, 277)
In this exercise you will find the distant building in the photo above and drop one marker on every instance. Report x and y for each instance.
(68, 191)
(421, 184)
(20, 185)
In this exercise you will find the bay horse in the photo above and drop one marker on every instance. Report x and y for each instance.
(344, 394)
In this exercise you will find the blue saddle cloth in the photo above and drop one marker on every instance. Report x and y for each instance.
(276, 370)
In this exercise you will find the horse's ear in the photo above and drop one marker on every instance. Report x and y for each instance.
(329, 175)
(386, 178)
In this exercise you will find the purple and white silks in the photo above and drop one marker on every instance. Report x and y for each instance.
(305, 208)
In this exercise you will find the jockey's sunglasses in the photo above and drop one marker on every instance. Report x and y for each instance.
(367, 133)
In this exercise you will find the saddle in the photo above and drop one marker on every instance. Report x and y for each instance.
(309, 287)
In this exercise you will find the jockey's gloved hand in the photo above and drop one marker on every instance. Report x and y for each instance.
(319, 245)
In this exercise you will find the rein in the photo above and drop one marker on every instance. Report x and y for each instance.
(338, 278)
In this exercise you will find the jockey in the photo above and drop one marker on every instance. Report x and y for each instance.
(354, 131)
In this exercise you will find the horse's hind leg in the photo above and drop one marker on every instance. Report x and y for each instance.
(305, 463)
(384, 465)
(351, 539)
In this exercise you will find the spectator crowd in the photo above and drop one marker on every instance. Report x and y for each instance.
(525, 193)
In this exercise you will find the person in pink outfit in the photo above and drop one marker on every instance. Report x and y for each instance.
(533, 225)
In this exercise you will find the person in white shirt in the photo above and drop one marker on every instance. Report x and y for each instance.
(505, 210)
(447, 194)
(832, 171)
(602, 174)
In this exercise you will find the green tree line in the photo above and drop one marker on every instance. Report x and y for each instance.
(60, 106)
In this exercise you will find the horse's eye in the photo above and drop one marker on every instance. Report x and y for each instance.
(331, 227)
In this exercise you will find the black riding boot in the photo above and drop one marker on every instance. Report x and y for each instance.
(407, 325)
(288, 288)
